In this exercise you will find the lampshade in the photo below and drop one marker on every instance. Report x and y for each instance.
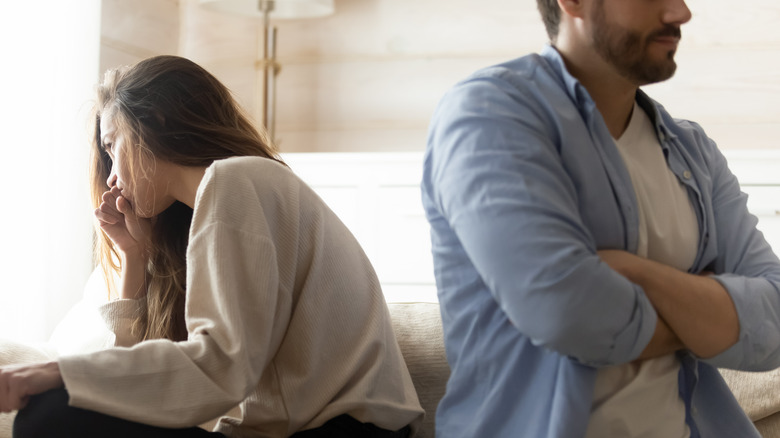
(283, 9)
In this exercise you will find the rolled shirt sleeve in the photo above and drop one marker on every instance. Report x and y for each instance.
(748, 269)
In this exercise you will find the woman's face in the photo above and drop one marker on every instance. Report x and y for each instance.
(145, 185)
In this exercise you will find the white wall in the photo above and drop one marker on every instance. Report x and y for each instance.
(368, 77)
(728, 75)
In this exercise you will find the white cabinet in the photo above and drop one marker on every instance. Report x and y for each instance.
(377, 195)
(758, 172)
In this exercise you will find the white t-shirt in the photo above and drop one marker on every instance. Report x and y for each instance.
(643, 400)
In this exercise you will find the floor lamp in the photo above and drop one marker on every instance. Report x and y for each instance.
(268, 10)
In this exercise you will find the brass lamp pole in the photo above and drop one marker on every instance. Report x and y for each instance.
(268, 9)
(270, 69)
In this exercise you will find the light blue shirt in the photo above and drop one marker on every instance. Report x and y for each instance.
(522, 185)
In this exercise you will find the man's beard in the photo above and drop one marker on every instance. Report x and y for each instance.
(627, 50)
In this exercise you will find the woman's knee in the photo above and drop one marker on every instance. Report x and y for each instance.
(43, 416)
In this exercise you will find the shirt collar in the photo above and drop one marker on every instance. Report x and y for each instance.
(651, 107)
(576, 91)
(582, 99)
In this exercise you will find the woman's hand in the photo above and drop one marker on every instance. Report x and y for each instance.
(117, 219)
(18, 383)
(130, 234)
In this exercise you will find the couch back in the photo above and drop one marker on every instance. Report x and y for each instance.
(418, 329)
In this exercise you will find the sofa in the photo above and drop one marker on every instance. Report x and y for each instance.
(419, 332)
(418, 329)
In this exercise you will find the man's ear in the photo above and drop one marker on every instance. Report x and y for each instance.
(573, 8)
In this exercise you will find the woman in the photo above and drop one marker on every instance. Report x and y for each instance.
(284, 314)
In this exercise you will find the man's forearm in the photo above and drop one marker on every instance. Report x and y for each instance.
(697, 308)
(663, 342)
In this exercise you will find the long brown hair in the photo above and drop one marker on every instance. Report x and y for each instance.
(172, 109)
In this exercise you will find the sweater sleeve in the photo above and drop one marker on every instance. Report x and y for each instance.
(95, 323)
(233, 319)
(118, 315)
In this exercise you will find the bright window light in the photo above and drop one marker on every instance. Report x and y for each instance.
(50, 65)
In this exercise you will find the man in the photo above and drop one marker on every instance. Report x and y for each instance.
(594, 257)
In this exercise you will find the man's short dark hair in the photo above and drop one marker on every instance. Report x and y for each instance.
(551, 15)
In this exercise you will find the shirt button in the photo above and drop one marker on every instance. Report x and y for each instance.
(687, 174)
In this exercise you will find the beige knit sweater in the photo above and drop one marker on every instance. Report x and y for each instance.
(285, 316)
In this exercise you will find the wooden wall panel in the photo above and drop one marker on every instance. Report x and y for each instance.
(137, 29)
(353, 139)
(414, 28)
(360, 94)
(718, 23)
(368, 77)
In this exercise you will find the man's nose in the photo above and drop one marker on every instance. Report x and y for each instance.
(677, 13)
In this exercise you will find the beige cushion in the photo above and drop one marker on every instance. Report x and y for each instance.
(759, 396)
(418, 329)
(13, 353)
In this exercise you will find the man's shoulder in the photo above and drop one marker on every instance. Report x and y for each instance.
(688, 135)
(687, 130)
(523, 66)
(516, 72)
(678, 127)
(528, 81)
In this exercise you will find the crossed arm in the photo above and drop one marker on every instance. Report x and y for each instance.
(512, 195)
(695, 312)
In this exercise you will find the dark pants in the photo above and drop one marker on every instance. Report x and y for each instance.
(48, 416)
(345, 426)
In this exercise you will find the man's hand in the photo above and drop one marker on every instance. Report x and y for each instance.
(18, 383)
